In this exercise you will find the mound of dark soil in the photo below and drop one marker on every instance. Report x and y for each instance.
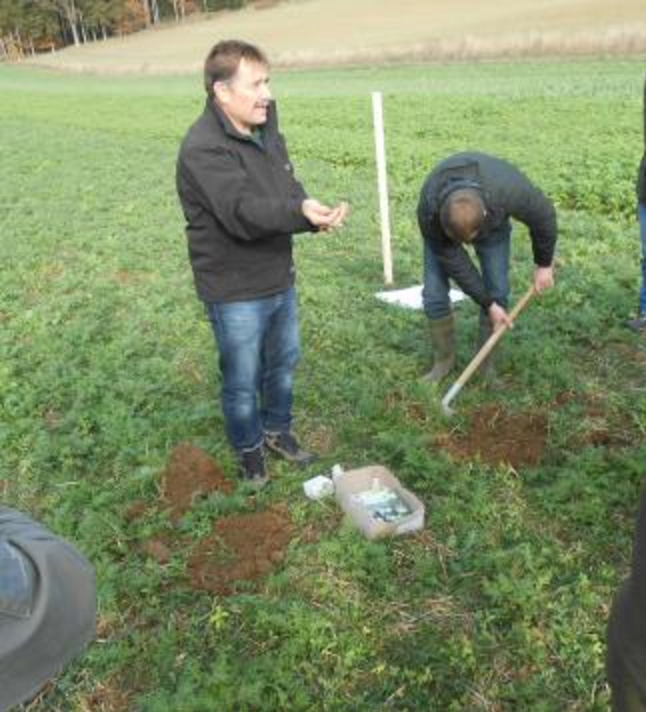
(191, 473)
(497, 437)
(242, 547)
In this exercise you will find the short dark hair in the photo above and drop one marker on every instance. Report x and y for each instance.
(223, 61)
(462, 214)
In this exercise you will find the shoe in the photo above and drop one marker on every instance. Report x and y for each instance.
(442, 333)
(286, 446)
(638, 324)
(252, 470)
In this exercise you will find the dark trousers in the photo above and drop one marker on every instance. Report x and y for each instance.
(628, 692)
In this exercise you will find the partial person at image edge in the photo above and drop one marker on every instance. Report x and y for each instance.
(626, 655)
(638, 324)
(468, 199)
(47, 606)
(242, 203)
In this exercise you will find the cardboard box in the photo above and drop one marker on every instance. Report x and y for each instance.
(376, 502)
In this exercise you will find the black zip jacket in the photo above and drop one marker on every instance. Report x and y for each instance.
(506, 193)
(242, 203)
(641, 176)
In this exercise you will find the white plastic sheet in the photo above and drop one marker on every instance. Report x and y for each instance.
(411, 297)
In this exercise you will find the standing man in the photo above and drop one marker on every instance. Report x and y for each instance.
(638, 324)
(242, 203)
(468, 199)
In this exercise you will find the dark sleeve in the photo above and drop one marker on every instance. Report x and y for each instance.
(218, 177)
(525, 202)
(641, 175)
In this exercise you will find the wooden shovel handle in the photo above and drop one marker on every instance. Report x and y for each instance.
(486, 349)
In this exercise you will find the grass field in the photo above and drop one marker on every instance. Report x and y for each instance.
(107, 365)
(330, 32)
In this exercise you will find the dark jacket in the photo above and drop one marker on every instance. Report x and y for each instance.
(627, 629)
(641, 177)
(242, 203)
(506, 193)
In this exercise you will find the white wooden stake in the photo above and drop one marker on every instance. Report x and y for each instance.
(382, 182)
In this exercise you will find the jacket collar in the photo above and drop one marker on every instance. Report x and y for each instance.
(227, 126)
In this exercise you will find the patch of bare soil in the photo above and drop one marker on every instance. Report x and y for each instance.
(108, 696)
(157, 549)
(191, 473)
(497, 437)
(602, 437)
(242, 547)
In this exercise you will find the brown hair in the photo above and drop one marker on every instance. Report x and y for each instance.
(224, 59)
(462, 214)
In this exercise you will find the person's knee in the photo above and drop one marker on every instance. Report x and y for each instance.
(241, 401)
(436, 306)
(240, 369)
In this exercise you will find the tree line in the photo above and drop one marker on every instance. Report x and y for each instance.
(30, 26)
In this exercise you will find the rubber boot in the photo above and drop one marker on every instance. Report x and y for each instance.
(442, 333)
(485, 329)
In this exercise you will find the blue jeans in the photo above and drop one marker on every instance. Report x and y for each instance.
(641, 214)
(493, 253)
(258, 342)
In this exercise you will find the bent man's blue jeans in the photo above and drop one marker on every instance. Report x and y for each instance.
(493, 255)
(258, 343)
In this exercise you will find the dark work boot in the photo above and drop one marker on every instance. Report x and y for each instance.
(485, 329)
(442, 333)
(285, 445)
(252, 469)
(638, 324)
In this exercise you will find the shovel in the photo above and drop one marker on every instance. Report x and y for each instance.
(486, 349)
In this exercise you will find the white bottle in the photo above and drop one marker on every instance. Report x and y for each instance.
(337, 471)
